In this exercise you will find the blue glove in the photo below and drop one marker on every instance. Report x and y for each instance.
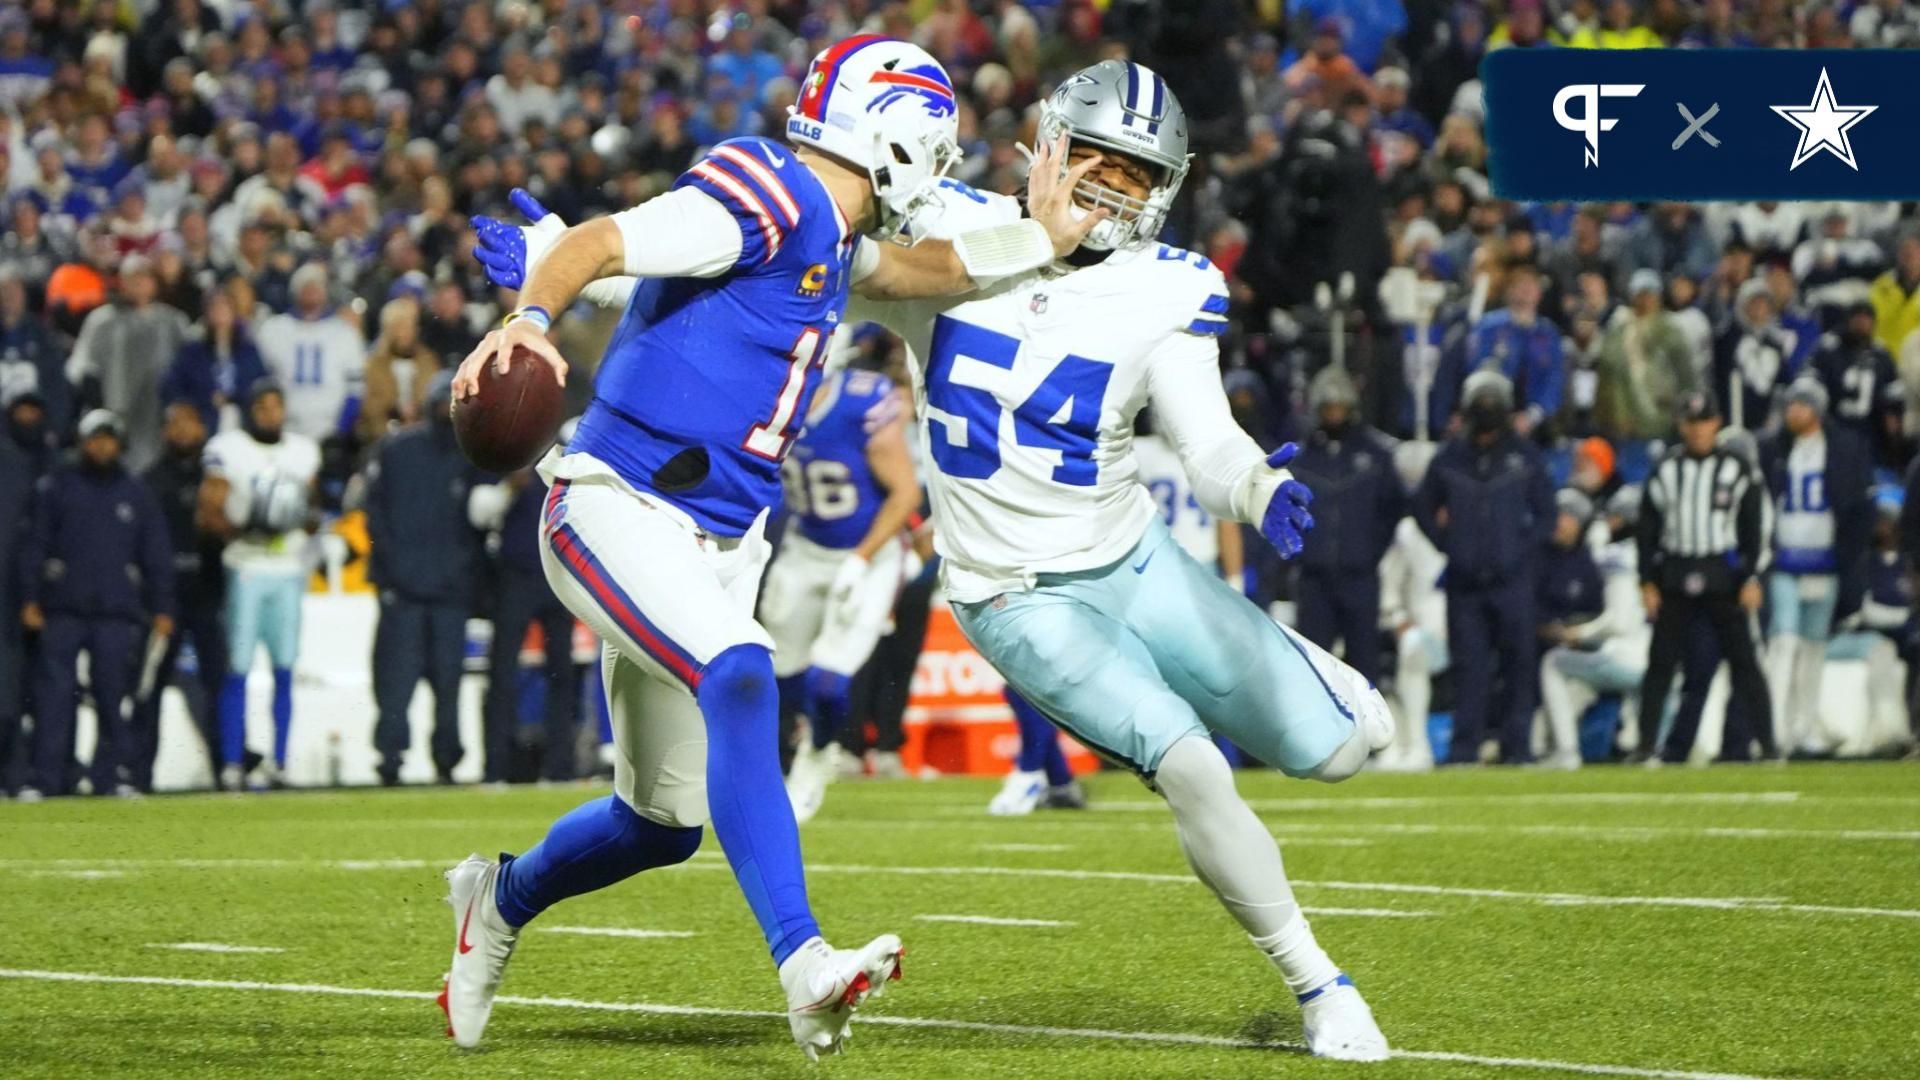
(1286, 521)
(502, 247)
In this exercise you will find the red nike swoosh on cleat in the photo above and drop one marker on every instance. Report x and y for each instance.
(856, 989)
(464, 947)
(442, 1002)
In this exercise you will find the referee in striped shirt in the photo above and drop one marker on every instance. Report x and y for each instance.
(1703, 541)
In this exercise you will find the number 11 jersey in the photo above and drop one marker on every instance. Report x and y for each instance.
(707, 380)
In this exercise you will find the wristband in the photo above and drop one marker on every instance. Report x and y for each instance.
(1004, 250)
(533, 313)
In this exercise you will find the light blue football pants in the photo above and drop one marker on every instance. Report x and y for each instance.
(1133, 657)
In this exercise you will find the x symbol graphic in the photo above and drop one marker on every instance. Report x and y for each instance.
(1696, 126)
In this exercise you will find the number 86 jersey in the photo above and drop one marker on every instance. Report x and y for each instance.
(1026, 393)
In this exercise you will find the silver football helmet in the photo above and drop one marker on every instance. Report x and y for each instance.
(1124, 107)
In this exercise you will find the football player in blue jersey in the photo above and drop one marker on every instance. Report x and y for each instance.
(653, 528)
(851, 490)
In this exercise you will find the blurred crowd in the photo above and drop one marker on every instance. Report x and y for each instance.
(249, 218)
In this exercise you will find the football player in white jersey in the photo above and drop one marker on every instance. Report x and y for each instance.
(1057, 564)
(259, 479)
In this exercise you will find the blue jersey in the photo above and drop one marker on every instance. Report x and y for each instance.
(830, 488)
(707, 380)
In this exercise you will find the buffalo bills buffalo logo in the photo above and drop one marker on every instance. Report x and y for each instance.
(926, 82)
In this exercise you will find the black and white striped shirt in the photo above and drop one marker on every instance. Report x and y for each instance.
(1711, 507)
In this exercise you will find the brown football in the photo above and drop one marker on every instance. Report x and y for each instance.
(513, 418)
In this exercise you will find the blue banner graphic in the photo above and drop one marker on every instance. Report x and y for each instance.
(1703, 124)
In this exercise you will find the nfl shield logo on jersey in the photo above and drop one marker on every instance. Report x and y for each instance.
(1039, 304)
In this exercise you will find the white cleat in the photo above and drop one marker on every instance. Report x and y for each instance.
(1019, 795)
(481, 946)
(807, 781)
(1338, 1024)
(826, 985)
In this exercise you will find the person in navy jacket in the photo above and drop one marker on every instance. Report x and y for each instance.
(98, 573)
(1488, 506)
(425, 559)
(1357, 501)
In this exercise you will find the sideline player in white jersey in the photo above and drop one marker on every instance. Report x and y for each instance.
(259, 479)
(1058, 565)
(654, 528)
(851, 490)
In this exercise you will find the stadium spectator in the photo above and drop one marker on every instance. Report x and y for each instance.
(1672, 239)
(97, 577)
(1645, 366)
(426, 558)
(199, 591)
(29, 358)
(1525, 348)
(1820, 479)
(31, 253)
(1703, 539)
(317, 356)
(213, 370)
(1896, 297)
(122, 352)
(1753, 357)
(1357, 502)
(400, 369)
(255, 496)
(1868, 398)
(1835, 269)
(1487, 505)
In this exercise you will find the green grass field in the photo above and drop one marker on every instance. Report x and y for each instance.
(1750, 922)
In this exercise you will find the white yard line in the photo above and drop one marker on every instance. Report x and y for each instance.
(615, 931)
(1568, 798)
(1094, 1034)
(1554, 899)
(1288, 831)
(1026, 847)
(1370, 912)
(214, 947)
(991, 920)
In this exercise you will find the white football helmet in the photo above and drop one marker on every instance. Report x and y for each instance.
(887, 107)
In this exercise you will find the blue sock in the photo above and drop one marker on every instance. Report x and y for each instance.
(751, 815)
(792, 693)
(233, 719)
(1059, 774)
(595, 845)
(829, 695)
(1232, 753)
(282, 713)
(1039, 743)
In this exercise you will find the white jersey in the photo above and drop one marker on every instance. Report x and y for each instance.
(268, 484)
(1026, 392)
(1166, 480)
(1410, 586)
(320, 363)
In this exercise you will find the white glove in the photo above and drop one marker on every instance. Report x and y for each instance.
(846, 582)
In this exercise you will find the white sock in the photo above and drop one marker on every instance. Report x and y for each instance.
(1235, 856)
